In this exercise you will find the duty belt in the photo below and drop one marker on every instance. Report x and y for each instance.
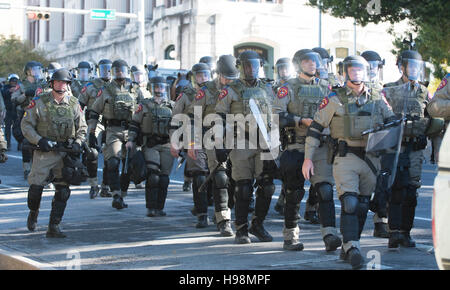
(343, 149)
(117, 123)
(153, 140)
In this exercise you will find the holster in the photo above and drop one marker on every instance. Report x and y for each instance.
(332, 149)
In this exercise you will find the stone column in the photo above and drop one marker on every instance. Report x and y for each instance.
(93, 27)
(56, 24)
(118, 23)
(72, 22)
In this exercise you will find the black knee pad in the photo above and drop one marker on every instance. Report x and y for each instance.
(221, 179)
(350, 202)
(244, 189)
(62, 193)
(113, 164)
(34, 196)
(164, 181)
(324, 191)
(266, 188)
(153, 180)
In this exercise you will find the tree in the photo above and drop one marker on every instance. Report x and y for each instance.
(15, 53)
(429, 21)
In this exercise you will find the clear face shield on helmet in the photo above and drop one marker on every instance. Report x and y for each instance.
(104, 71)
(249, 69)
(310, 63)
(283, 71)
(375, 74)
(413, 69)
(356, 71)
(120, 73)
(83, 74)
(202, 76)
(37, 73)
(138, 77)
(159, 90)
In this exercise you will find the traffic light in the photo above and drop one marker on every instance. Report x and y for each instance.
(37, 15)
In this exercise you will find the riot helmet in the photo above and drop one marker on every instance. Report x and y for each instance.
(376, 65)
(308, 62)
(84, 70)
(226, 67)
(158, 87)
(52, 67)
(120, 70)
(201, 73)
(138, 74)
(412, 65)
(104, 69)
(13, 78)
(209, 61)
(61, 74)
(34, 69)
(356, 69)
(283, 68)
(249, 63)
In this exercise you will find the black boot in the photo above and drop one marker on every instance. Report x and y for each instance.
(312, 217)
(407, 241)
(242, 236)
(257, 229)
(187, 186)
(225, 228)
(332, 242)
(54, 231)
(118, 202)
(202, 222)
(104, 192)
(381, 230)
(395, 239)
(93, 192)
(293, 245)
(355, 258)
(32, 220)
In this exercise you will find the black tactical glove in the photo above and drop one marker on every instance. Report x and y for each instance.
(92, 140)
(222, 154)
(76, 147)
(3, 156)
(45, 145)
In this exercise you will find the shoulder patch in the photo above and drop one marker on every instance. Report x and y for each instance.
(179, 97)
(99, 93)
(139, 108)
(32, 104)
(324, 103)
(223, 93)
(83, 90)
(442, 84)
(200, 94)
(282, 92)
(38, 91)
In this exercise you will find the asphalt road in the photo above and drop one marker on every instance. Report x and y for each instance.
(101, 237)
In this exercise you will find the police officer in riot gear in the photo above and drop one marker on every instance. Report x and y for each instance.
(116, 102)
(376, 67)
(84, 71)
(196, 161)
(326, 71)
(282, 71)
(379, 202)
(210, 62)
(52, 67)
(152, 120)
(139, 78)
(52, 117)
(248, 164)
(348, 111)
(297, 101)
(32, 85)
(89, 94)
(206, 99)
(407, 97)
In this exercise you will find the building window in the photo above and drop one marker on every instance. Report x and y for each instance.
(341, 52)
(170, 52)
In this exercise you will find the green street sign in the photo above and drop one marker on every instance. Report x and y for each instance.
(103, 14)
(5, 5)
